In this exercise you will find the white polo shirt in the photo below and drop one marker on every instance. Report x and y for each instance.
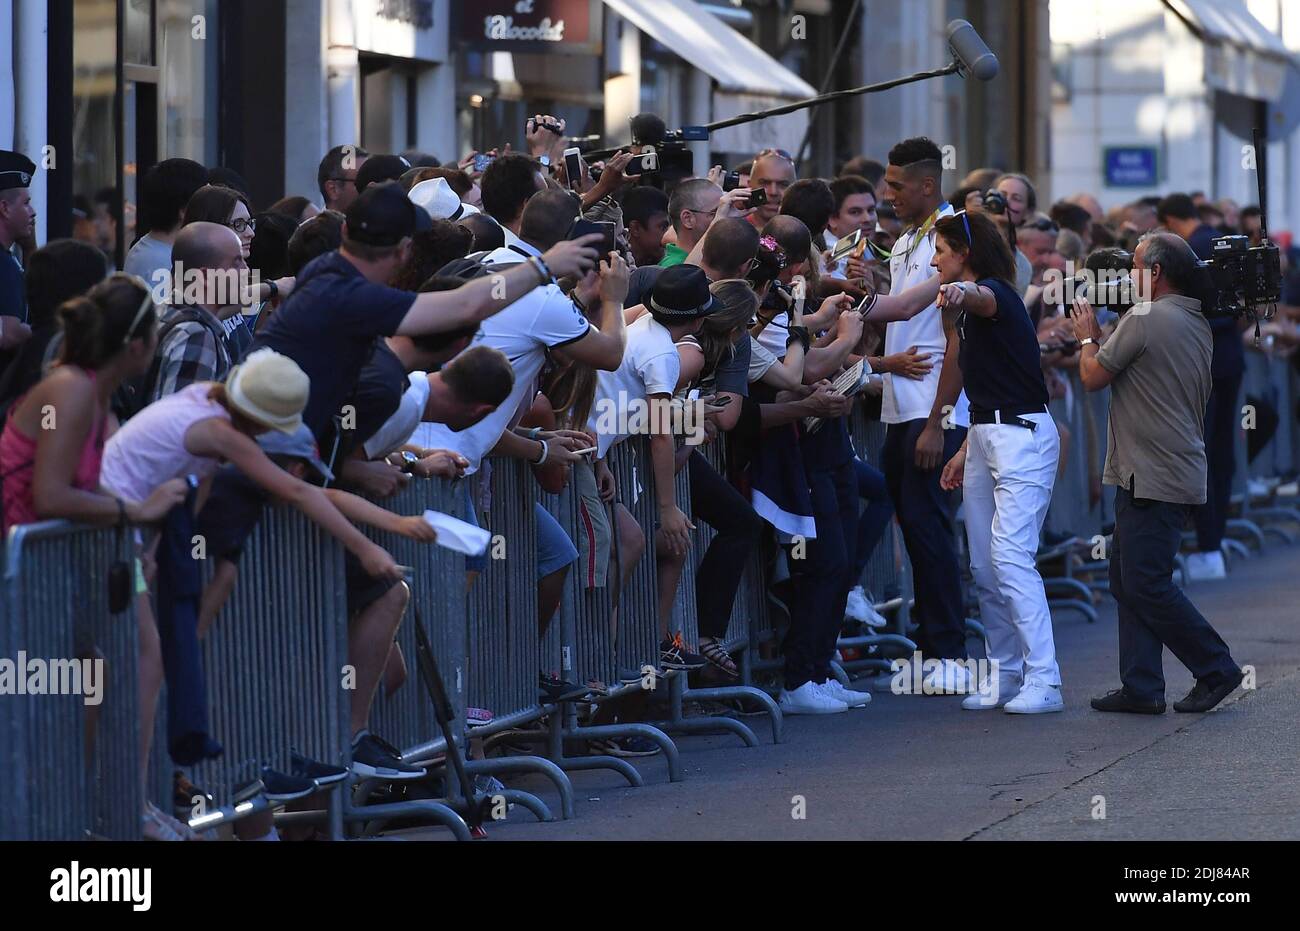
(908, 398)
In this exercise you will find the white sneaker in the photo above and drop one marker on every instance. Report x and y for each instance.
(809, 699)
(1036, 699)
(851, 697)
(986, 699)
(949, 677)
(1206, 567)
(860, 609)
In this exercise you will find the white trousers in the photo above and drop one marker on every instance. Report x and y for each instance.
(1006, 489)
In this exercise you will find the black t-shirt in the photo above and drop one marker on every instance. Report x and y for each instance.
(231, 513)
(13, 297)
(378, 395)
(999, 354)
(328, 325)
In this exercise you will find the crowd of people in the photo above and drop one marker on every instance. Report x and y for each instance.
(429, 317)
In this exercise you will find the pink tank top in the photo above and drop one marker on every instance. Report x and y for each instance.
(18, 460)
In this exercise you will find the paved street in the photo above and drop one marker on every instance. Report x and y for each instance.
(921, 768)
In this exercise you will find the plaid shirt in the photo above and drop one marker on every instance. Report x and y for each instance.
(190, 354)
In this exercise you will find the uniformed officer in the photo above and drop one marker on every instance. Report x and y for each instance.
(17, 221)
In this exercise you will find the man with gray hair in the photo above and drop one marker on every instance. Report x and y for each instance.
(691, 209)
(1157, 364)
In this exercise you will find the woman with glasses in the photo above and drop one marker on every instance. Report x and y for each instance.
(216, 203)
(1007, 465)
(109, 337)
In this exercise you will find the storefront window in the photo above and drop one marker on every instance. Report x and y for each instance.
(94, 81)
(188, 42)
(137, 38)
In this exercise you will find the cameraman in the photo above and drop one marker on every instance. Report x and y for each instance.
(1157, 363)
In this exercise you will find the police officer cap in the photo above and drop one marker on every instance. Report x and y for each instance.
(16, 170)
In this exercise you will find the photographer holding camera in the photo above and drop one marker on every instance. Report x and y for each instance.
(1157, 364)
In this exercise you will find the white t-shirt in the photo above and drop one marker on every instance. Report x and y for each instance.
(650, 366)
(398, 428)
(774, 335)
(908, 398)
(544, 318)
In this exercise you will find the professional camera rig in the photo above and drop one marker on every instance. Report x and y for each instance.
(1245, 278)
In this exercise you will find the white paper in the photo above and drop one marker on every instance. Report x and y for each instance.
(456, 534)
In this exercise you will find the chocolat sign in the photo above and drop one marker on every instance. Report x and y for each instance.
(531, 25)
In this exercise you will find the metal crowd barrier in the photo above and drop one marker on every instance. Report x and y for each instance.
(56, 608)
(275, 661)
(1276, 380)
(504, 650)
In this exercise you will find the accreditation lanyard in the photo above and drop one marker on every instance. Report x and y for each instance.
(923, 231)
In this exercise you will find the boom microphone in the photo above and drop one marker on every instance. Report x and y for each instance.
(970, 51)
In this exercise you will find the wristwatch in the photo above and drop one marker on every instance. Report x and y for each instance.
(1085, 341)
(544, 161)
(408, 459)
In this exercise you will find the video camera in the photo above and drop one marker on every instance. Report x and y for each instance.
(1243, 277)
(1106, 283)
(664, 158)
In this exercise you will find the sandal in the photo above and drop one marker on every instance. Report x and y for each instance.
(718, 657)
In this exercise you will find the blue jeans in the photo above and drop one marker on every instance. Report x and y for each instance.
(554, 548)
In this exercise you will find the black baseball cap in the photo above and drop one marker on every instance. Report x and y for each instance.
(380, 168)
(382, 215)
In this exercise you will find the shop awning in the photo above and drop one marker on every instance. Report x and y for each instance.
(701, 39)
(1241, 56)
(747, 78)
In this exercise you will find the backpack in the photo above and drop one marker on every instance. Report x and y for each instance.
(135, 394)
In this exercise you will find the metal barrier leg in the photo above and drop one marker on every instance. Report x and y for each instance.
(434, 811)
(744, 693)
(679, 723)
(529, 764)
(625, 730)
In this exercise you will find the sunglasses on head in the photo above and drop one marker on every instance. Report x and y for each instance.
(966, 223)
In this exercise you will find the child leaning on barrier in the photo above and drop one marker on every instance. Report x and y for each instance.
(188, 434)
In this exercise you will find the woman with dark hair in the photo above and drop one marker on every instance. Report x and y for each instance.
(55, 273)
(431, 250)
(295, 207)
(1006, 466)
(216, 203)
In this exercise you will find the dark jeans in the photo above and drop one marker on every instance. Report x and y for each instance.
(926, 514)
(715, 502)
(823, 577)
(1221, 459)
(875, 516)
(1153, 612)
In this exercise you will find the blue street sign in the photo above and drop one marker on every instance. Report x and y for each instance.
(1131, 166)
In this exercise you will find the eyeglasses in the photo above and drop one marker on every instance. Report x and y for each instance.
(780, 153)
(1042, 225)
(707, 213)
(242, 225)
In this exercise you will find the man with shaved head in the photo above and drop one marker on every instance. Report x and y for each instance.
(691, 209)
(774, 172)
(198, 339)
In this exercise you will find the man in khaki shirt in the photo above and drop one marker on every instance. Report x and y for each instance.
(1157, 364)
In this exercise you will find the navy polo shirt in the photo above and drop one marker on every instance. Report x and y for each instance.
(999, 355)
(328, 325)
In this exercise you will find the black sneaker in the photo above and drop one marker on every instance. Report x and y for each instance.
(1203, 696)
(674, 655)
(281, 787)
(1120, 700)
(375, 758)
(552, 689)
(635, 745)
(321, 774)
